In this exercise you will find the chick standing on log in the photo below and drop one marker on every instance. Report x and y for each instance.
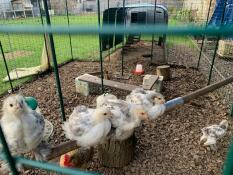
(88, 127)
(151, 101)
(77, 158)
(213, 133)
(126, 116)
(23, 128)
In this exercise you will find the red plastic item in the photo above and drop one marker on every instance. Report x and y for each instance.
(139, 70)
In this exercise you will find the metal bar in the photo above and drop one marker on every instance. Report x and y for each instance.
(109, 49)
(6, 66)
(213, 60)
(68, 22)
(42, 22)
(118, 29)
(48, 166)
(203, 36)
(231, 110)
(7, 154)
(228, 168)
(216, 47)
(123, 43)
(51, 167)
(100, 49)
(55, 62)
(153, 36)
(115, 26)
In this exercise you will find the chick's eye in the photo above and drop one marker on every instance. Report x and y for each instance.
(11, 105)
(105, 113)
(142, 113)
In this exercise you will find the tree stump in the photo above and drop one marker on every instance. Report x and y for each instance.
(164, 71)
(115, 154)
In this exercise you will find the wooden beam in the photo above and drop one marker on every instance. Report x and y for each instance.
(61, 149)
(96, 80)
(207, 89)
(171, 104)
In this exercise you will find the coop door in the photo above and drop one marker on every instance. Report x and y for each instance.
(138, 18)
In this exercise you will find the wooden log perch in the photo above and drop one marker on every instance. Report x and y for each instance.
(115, 153)
(181, 100)
(207, 89)
(60, 149)
(164, 71)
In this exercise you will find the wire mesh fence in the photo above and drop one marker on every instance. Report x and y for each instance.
(31, 50)
(84, 13)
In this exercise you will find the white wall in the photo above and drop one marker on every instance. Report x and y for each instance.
(4, 5)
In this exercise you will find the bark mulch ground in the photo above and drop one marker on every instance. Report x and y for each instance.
(170, 144)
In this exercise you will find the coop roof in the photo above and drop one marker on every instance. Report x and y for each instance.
(145, 5)
(16, 0)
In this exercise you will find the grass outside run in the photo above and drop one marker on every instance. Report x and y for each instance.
(85, 47)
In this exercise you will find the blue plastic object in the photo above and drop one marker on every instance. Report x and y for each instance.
(217, 15)
(31, 102)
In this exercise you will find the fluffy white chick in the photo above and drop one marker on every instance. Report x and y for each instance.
(23, 128)
(102, 100)
(88, 127)
(151, 95)
(212, 133)
(151, 101)
(126, 116)
(126, 125)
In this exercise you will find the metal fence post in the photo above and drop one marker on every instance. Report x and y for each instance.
(7, 154)
(55, 62)
(109, 49)
(123, 37)
(45, 40)
(216, 47)
(100, 48)
(203, 37)
(153, 36)
(227, 167)
(231, 110)
(68, 22)
(5, 63)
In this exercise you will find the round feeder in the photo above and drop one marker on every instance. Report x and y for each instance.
(139, 70)
(115, 154)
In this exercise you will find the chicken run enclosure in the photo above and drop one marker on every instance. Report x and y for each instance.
(61, 54)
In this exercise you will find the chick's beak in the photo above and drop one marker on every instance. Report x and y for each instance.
(19, 105)
(145, 117)
(202, 140)
(162, 101)
(110, 114)
(159, 100)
